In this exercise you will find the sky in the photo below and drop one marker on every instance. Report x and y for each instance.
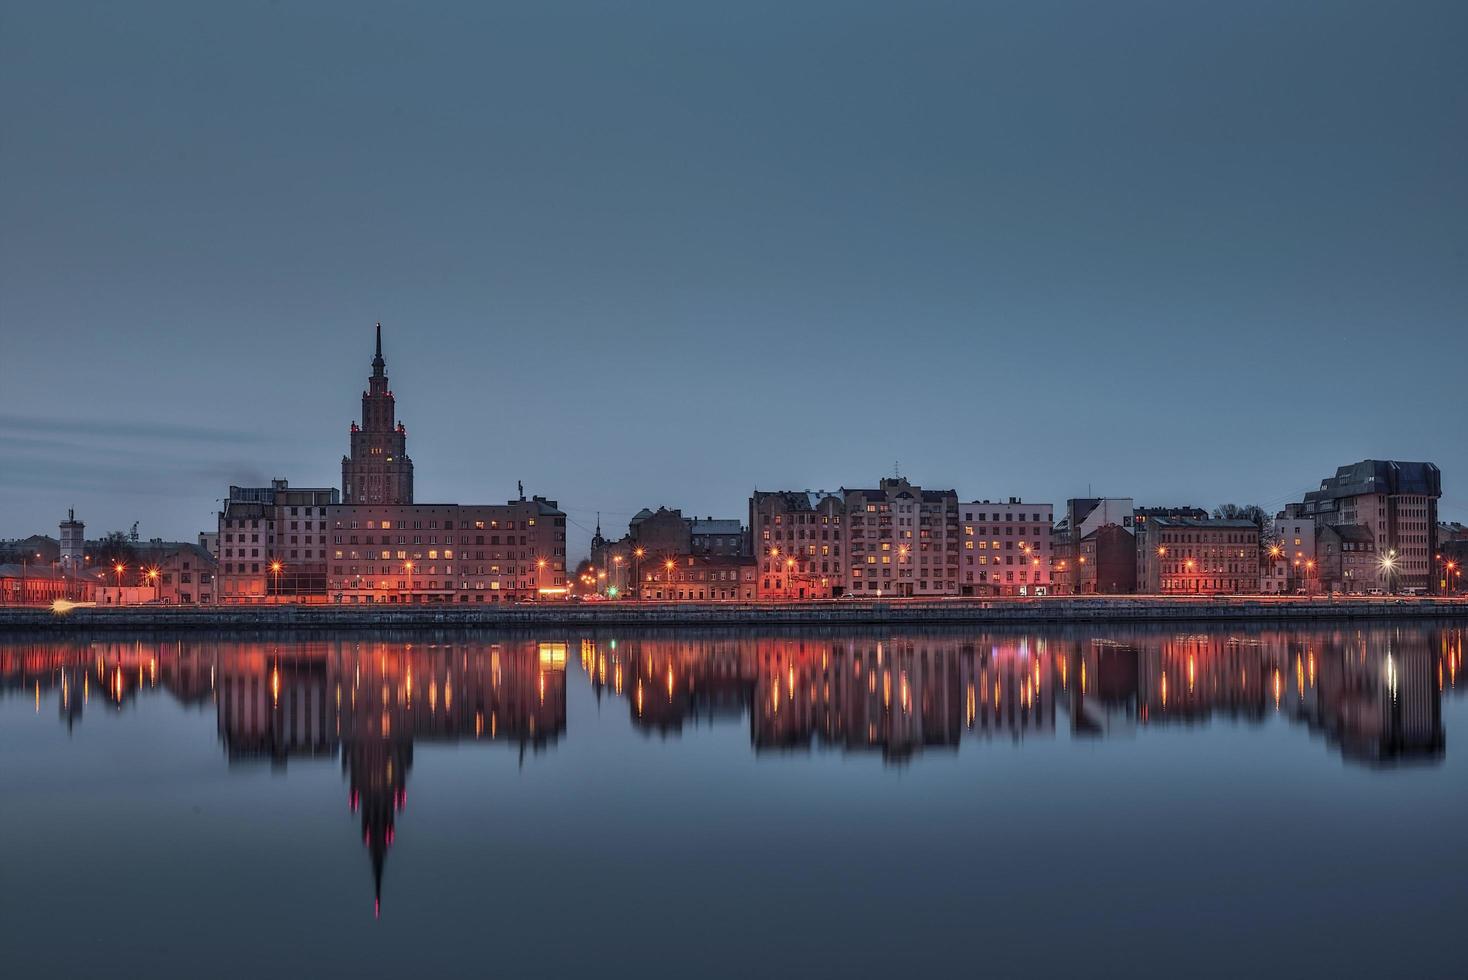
(641, 254)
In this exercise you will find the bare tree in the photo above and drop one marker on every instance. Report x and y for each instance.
(1244, 512)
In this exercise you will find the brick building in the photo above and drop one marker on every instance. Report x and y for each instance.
(378, 470)
(1106, 563)
(418, 553)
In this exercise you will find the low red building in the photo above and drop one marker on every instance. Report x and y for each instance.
(701, 578)
(31, 585)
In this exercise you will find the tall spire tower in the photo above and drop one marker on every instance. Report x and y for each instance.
(378, 470)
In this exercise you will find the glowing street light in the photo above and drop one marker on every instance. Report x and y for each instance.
(275, 567)
(1389, 567)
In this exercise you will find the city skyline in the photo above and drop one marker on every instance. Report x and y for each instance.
(1017, 253)
(579, 533)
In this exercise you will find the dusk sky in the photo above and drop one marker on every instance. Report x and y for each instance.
(664, 253)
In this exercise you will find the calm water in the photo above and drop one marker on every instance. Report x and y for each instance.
(736, 804)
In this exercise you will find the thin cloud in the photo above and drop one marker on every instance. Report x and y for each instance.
(137, 429)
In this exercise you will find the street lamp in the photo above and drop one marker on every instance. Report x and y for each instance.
(637, 554)
(539, 579)
(153, 578)
(617, 562)
(408, 569)
(1389, 567)
(275, 567)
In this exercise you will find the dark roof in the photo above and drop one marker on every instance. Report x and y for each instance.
(797, 500)
(1352, 532)
(713, 525)
(1203, 523)
(32, 571)
(1378, 476)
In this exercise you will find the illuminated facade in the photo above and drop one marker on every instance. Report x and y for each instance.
(1188, 556)
(378, 470)
(893, 540)
(903, 540)
(700, 578)
(463, 553)
(272, 544)
(1006, 548)
(799, 542)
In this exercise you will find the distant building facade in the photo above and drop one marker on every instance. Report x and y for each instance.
(1180, 556)
(1106, 562)
(1397, 501)
(1347, 559)
(1006, 548)
(903, 540)
(701, 578)
(653, 537)
(450, 553)
(896, 539)
(800, 544)
(73, 548)
(378, 470)
(24, 584)
(1083, 517)
(272, 543)
(717, 536)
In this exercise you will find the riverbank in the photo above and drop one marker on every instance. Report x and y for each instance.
(1108, 609)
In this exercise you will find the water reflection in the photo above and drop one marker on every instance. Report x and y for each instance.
(1374, 694)
(367, 702)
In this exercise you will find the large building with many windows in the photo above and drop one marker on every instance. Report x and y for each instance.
(1397, 502)
(460, 553)
(1006, 548)
(1197, 556)
(799, 543)
(892, 540)
(378, 470)
(272, 544)
(904, 540)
